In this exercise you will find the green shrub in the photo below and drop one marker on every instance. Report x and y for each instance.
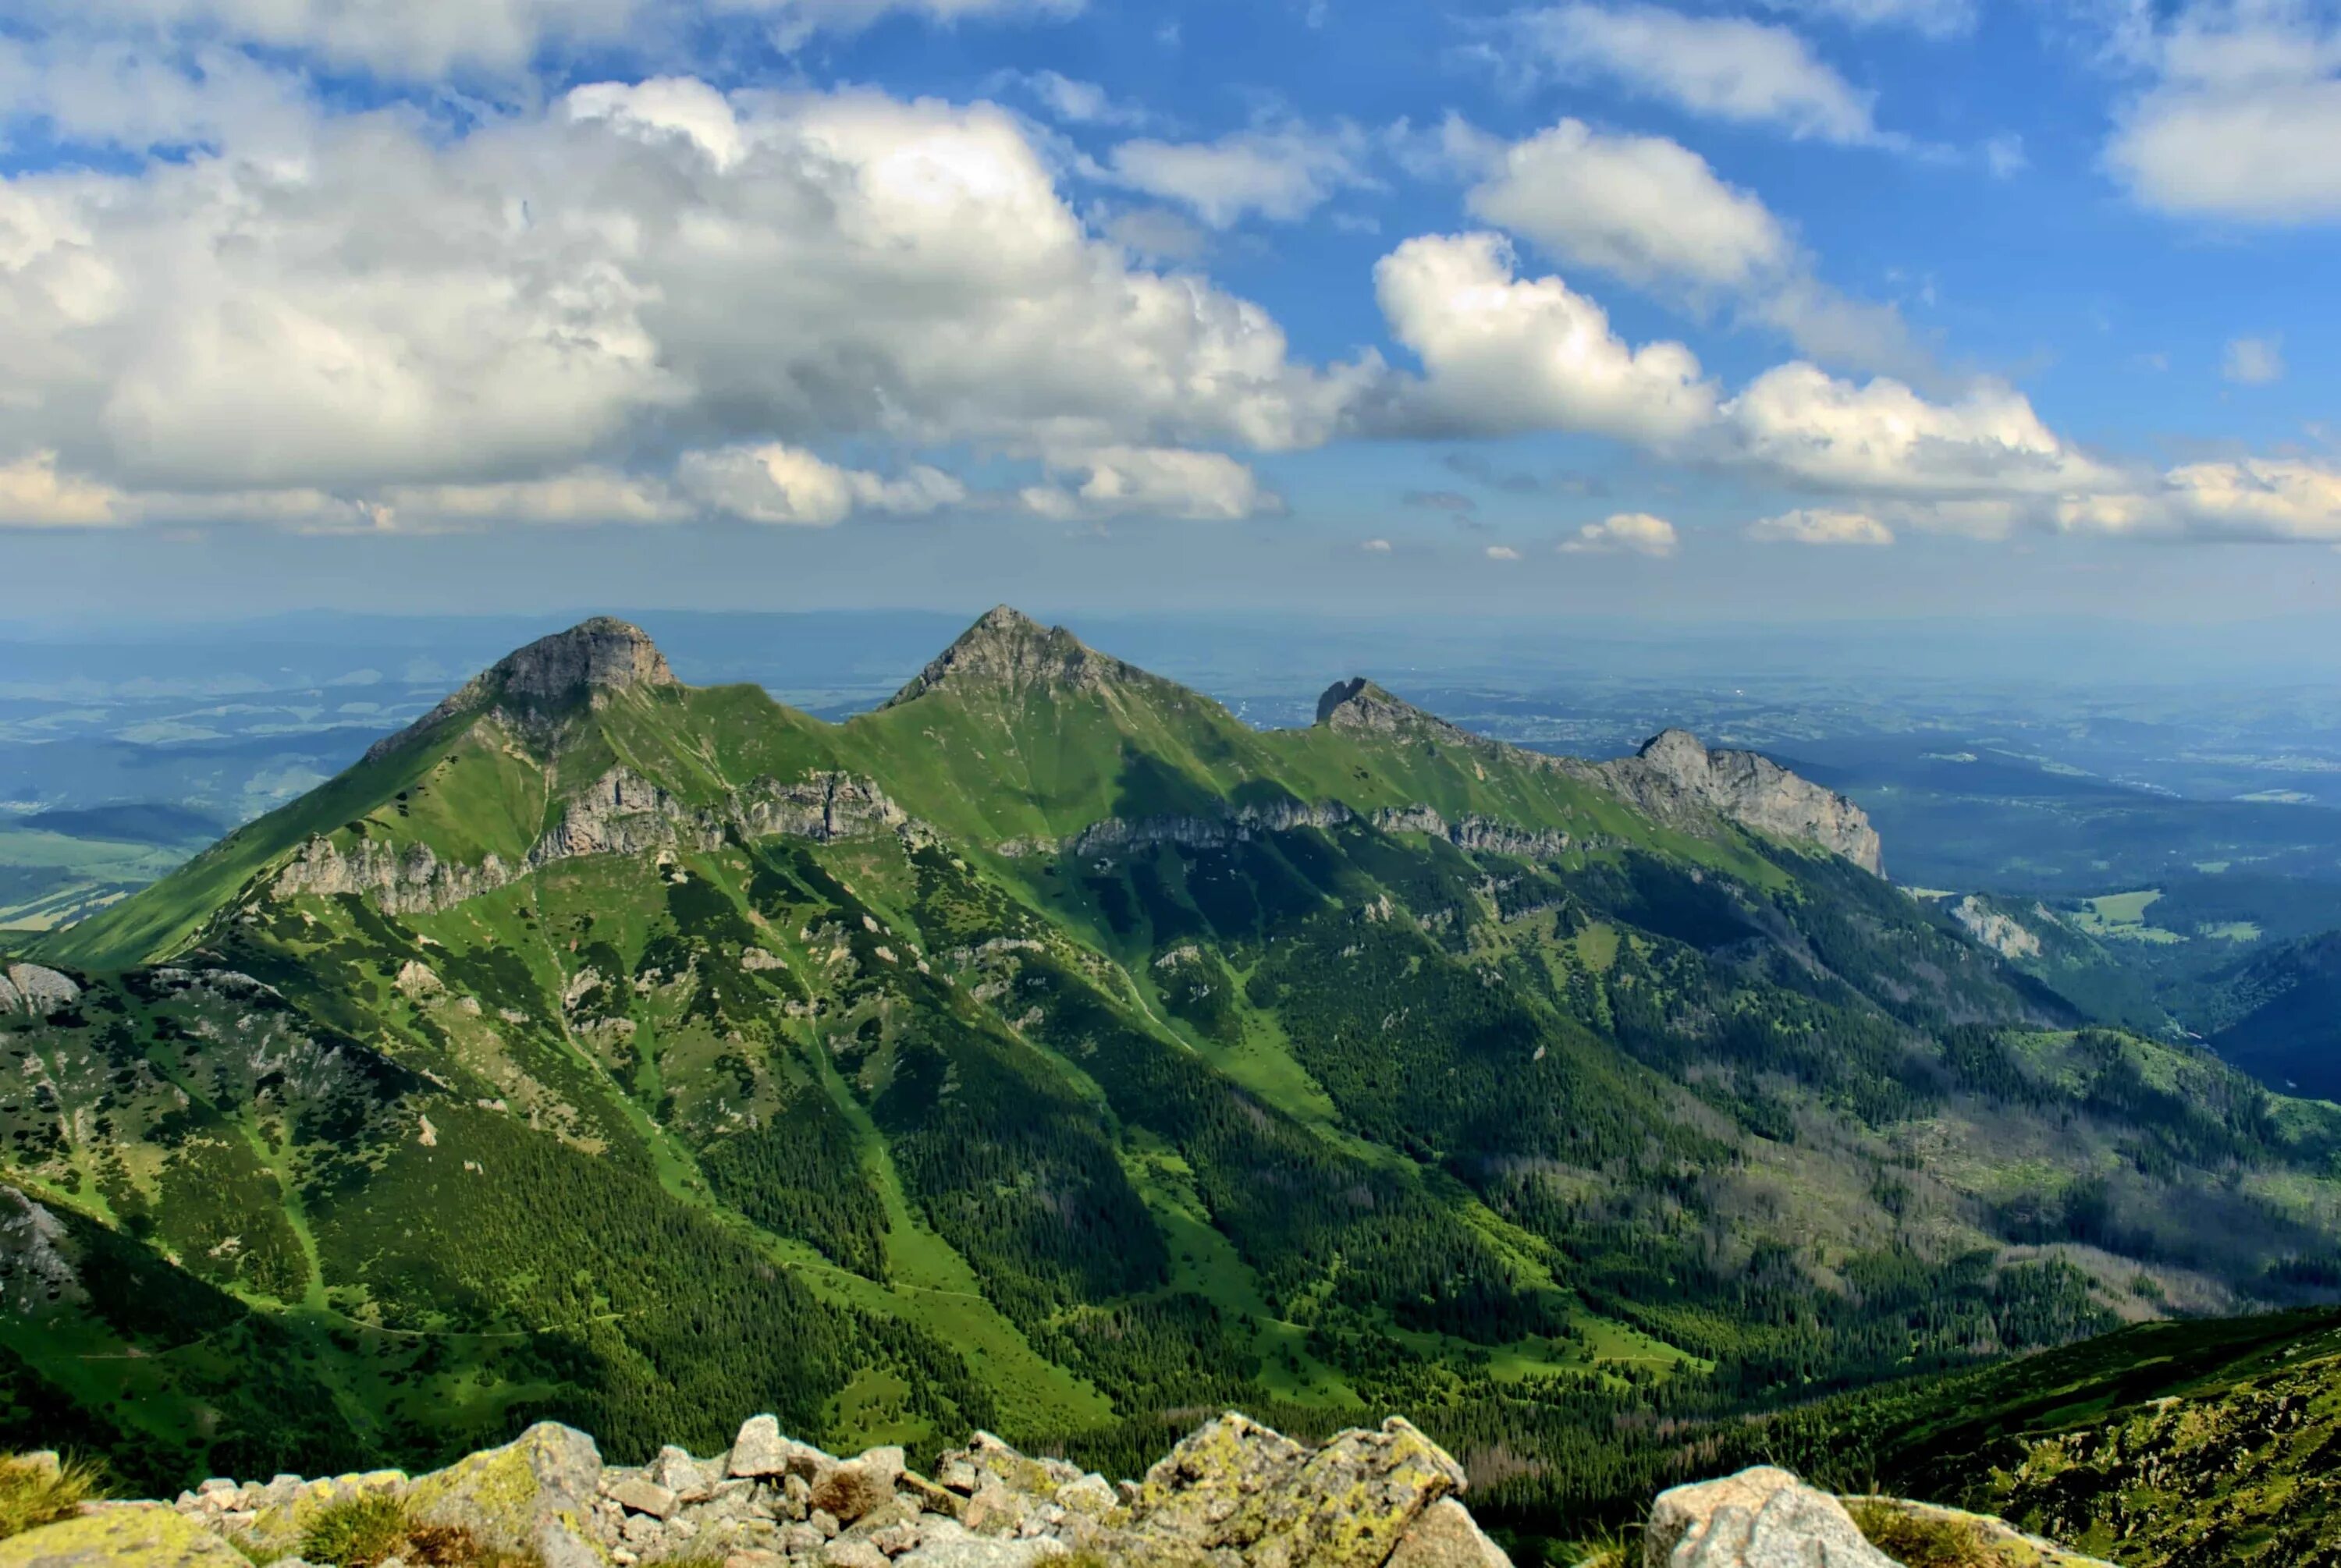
(38, 1490)
(357, 1531)
(1924, 1541)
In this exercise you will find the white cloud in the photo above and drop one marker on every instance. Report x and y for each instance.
(33, 495)
(2004, 156)
(1820, 526)
(785, 484)
(1503, 353)
(1654, 212)
(2242, 118)
(1929, 19)
(2281, 499)
(1376, 547)
(1503, 552)
(1143, 481)
(1280, 173)
(1721, 67)
(421, 39)
(1632, 532)
(1643, 208)
(1076, 103)
(636, 268)
(1880, 436)
(2254, 361)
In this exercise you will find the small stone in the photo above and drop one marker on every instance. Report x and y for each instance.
(958, 1473)
(853, 1552)
(826, 1523)
(760, 1449)
(1092, 1494)
(934, 1499)
(755, 1558)
(802, 1539)
(855, 1487)
(640, 1494)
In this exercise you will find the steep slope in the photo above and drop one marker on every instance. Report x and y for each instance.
(1048, 1050)
(2164, 1445)
(2277, 1015)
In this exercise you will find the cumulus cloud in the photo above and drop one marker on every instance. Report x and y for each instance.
(2254, 361)
(637, 267)
(1631, 532)
(1820, 526)
(1803, 423)
(2241, 117)
(1720, 68)
(1152, 481)
(1654, 212)
(1503, 552)
(1376, 547)
(1643, 208)
(2273, 498)
(424, 39)
(1503, 353)
(33, 495)
(1280, 173)
(776, 483)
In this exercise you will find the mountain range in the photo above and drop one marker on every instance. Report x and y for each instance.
(1047, 1050)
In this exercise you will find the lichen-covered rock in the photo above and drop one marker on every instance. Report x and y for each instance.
(535, 1493)
(148, 1536)
(1446, 1537)
(1760, 1518)
(1235, 1484)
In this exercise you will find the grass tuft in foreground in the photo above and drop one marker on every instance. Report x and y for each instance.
(37, 1489)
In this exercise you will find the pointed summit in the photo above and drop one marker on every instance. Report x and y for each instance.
(599, 655)
(1007, 649)
(1358, 704)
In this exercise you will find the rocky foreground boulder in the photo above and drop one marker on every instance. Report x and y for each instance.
(1233, 1495)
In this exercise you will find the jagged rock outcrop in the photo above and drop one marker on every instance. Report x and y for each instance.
(409, 881)
(37, 989)
(591, 659)
(34, 1272)
(1119, 835)
(620, 813)
(1010, 650)
(1360, 705)
(1233, 1495)
(2001, 932)
(1673, 775)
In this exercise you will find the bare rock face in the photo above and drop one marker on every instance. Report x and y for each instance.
(589, 659)
(1759, 1518)
(1360, 705)
(35, 989)
(1673, 774)
(1010, 650)
(34, 1272)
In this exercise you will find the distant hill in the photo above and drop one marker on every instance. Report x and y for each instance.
(139, 822)
(1049, 1051)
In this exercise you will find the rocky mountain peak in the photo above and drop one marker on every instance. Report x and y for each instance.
(599, 655)
(1675, 772)
(1358, 705)
(1007, 649)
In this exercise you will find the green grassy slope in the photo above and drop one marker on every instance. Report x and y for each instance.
(880, 1128)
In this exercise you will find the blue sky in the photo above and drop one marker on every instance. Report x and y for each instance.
(1789, 309)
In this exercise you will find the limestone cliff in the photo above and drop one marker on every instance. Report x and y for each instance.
(589, 661)
(1674, 777)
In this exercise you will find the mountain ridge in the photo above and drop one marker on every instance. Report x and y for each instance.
(1313, 1070)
